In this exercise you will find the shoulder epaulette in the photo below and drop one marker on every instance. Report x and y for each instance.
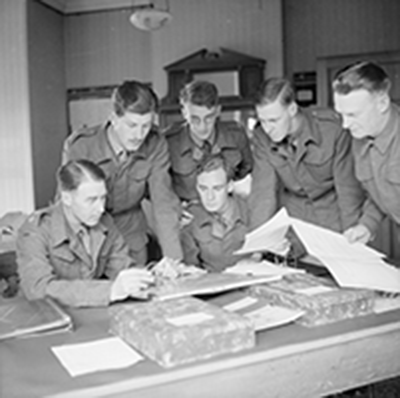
(327, 114)
(37, 216)
(83, 132)
(173, 129)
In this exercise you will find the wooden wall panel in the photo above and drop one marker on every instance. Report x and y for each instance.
(48, 102)
(321, 28)
(15, 145)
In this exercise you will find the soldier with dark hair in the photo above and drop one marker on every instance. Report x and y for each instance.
(72, 251)
(202, 133)
(220, 218)
(302, 161)
(134, 157)
(361, 96)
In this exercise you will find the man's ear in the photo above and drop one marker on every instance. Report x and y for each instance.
(184, 111)
(292, 109)
(383, 102)
(218, 111)
(66, 198)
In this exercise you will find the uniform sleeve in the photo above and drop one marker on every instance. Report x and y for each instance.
(38, 279)
(190, 248)
(118, 257)
(166, 206)
(372, 216)
(263, 195)
(246, 165)
(349, 190)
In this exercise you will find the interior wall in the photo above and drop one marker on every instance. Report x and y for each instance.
(48, 102)
(102, 48)
(320, 28)
(15, 144)
(253, 27)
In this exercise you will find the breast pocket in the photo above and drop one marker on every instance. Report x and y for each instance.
(65, 263)
(321, 168)
(393, 174)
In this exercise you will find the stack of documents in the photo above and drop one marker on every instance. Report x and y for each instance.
(351, 264)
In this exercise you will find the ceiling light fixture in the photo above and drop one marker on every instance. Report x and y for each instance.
(147, 17)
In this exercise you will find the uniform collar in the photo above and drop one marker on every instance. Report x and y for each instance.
(105, 149)
(383, 141)
(62, 230)
(218, 140)
(307, 132)
(232, 214)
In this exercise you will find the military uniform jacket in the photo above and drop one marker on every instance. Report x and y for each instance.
(201, 244)
(230, 140)
(378, 168)
(316, 184)
(146, 171)
(53, 262)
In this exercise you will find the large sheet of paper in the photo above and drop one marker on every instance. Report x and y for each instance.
(351, 264)
(208, 283)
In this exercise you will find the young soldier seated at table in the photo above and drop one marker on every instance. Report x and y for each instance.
(202, 133)
(302, 161)
(72, 251)
(134, 157)
(220, 218)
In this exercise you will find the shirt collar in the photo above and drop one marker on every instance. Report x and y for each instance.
(63, 229)
(383, 140)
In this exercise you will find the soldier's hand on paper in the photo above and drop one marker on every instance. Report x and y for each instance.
(131, 282)
(359, 233)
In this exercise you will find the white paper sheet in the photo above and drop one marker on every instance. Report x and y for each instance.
(248, 267)
(269, 236)
(108, 353)
(351, 264)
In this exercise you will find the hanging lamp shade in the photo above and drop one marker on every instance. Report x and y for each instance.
(149, 18)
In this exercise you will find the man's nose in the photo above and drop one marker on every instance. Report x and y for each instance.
(346, 122)
(210, 195)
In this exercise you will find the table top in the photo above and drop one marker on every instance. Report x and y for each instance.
(28, 367)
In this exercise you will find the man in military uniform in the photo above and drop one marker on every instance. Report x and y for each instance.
(361, 96)
(134, 156)
(72, 251)
(202, 133)
(220, 220)
(302, 161)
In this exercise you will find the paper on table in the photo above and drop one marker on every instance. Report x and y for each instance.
(108, 353)
(351, 264)
(269, 236)
(262, 315)
(249, 267)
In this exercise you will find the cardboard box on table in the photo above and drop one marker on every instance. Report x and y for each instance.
(322, 300)
(180, 331)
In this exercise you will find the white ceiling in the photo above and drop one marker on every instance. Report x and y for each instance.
(74, 6)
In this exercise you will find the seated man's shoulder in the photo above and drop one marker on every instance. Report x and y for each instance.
(39, 219)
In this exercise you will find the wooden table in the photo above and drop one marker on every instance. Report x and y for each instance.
(290, 361)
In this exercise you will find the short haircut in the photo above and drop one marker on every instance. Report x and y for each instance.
(275, 88)
(214, 162)
(73, 173)
(136, 97)
(200, 93)
(361, 75)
